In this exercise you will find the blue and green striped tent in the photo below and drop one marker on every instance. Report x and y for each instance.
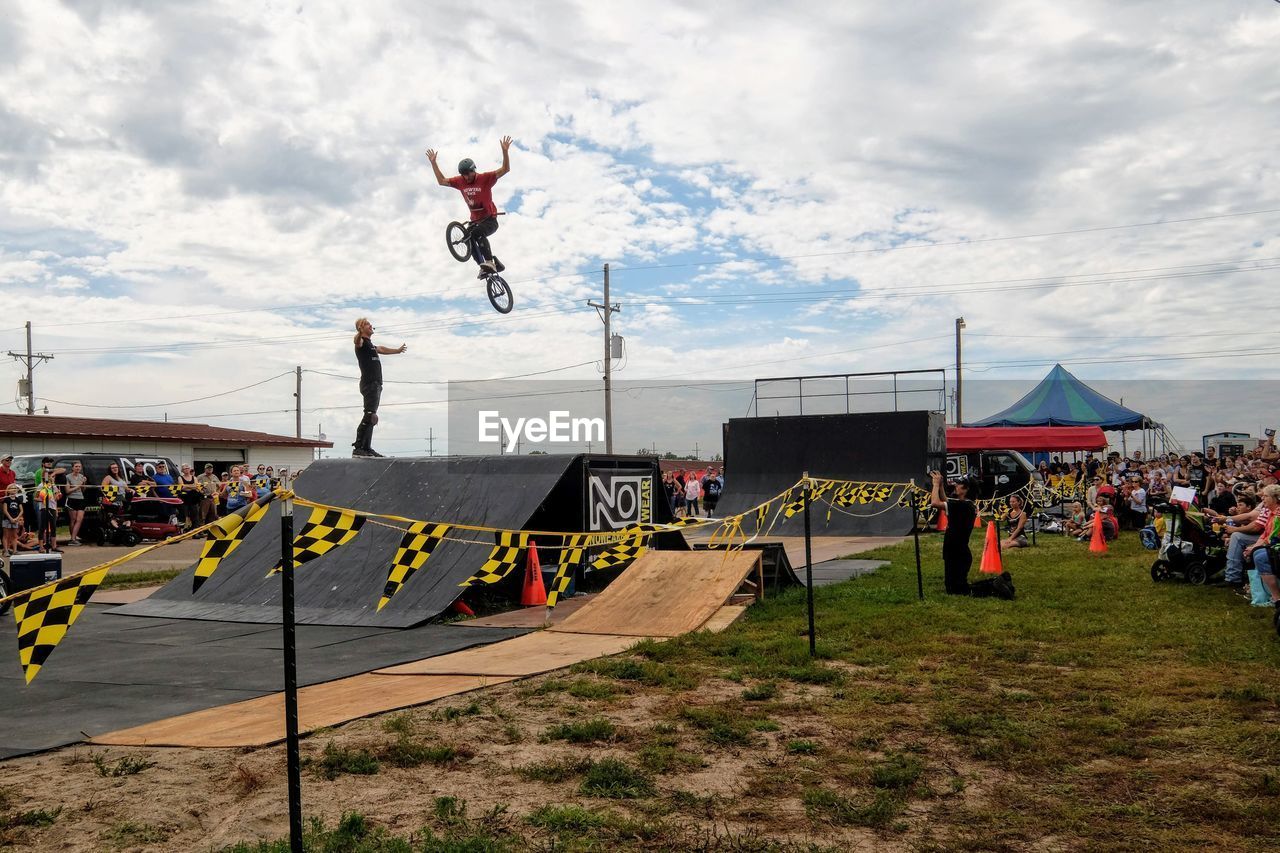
(1063, 400)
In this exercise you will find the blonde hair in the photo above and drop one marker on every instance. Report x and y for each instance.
(1272, 491)
(361, 322)
(14, 488)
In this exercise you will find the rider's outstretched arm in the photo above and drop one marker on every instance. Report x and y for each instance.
(440, 179)
(506, 157)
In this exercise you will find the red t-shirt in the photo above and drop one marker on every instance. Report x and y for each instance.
(7, 478)
(478, 194)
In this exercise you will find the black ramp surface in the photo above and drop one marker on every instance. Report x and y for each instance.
(764, 456)
(343, 586)
(113, 672)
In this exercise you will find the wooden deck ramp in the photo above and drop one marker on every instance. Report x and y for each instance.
(663, 594)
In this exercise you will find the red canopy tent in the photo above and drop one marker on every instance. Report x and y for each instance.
(1048, 438)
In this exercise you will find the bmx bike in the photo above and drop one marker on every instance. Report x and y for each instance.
(457, 236)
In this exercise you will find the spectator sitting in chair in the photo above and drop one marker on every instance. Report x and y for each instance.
(1260, 552)
(1251, 524)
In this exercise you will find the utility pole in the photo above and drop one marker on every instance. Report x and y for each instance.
(30, 359)
(696, 451)
(297, 398)
(605, 310)
(959, 395)
(431, 441)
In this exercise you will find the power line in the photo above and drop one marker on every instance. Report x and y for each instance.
(687, 264)
(449, 322)
(1190, 355)
(980, 240)
(174, 403)
(914, 291)
(447, 381)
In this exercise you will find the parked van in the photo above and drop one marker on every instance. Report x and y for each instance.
(996, 472)
(96, 466)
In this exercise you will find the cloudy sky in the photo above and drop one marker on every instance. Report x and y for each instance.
(199, 196)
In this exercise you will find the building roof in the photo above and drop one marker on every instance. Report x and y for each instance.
(46, 426)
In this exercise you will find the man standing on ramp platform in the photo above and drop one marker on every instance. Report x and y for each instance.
(370, 384)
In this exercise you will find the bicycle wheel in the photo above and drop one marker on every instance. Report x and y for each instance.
(455, 237)
(500, 294)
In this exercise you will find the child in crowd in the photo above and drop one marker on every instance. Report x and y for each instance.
(11, 509)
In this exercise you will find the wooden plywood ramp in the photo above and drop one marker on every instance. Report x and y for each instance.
(661, 595)
(666, 593)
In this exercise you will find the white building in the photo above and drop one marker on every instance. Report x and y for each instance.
(184, 443)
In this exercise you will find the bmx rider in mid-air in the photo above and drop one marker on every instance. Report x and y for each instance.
(370, 384)
(477, 191)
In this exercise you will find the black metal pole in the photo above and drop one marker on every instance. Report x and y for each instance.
(915, 533)
(808, 567)
(290, 677)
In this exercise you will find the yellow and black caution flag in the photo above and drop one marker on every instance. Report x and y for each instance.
(325, 530)
(416, 546)
(728, 533)
(502, 559)
(793, 503)
(622, 553)
(110, 493)
(226, 534)
(762, 516)
(141, 490)
(571, 549)
(44, 616)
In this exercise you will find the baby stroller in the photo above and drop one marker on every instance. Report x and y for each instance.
(1189, 550)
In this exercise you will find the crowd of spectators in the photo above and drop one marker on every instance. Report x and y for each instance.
(689, 491)
(31, 513)
(1237, 495)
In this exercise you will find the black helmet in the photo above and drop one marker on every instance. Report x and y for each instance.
(467, 165)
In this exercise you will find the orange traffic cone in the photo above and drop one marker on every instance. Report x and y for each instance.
(534, 593)
(977, 521)
(460, 606)
(942, 520)
(1098, 544)
(991, 564)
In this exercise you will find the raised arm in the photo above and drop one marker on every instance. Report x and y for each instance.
(939, 500)
(392, 350)
(435, 167)
(505, 142)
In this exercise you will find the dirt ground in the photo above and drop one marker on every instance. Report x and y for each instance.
(207, 799)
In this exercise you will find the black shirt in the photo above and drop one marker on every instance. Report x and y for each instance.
(960, 518)
(1222, 503)
(15, 508)
(1196, 477)
(367, 358)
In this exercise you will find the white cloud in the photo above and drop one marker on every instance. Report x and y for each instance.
(186, 160)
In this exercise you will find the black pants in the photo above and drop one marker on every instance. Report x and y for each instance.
(956, 562)
(372, 394)
(478, 237)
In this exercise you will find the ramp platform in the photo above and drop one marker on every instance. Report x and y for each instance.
(343, 586)
(767, 455)
(662, 594)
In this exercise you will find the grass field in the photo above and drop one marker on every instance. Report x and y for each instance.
(1098, 711)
